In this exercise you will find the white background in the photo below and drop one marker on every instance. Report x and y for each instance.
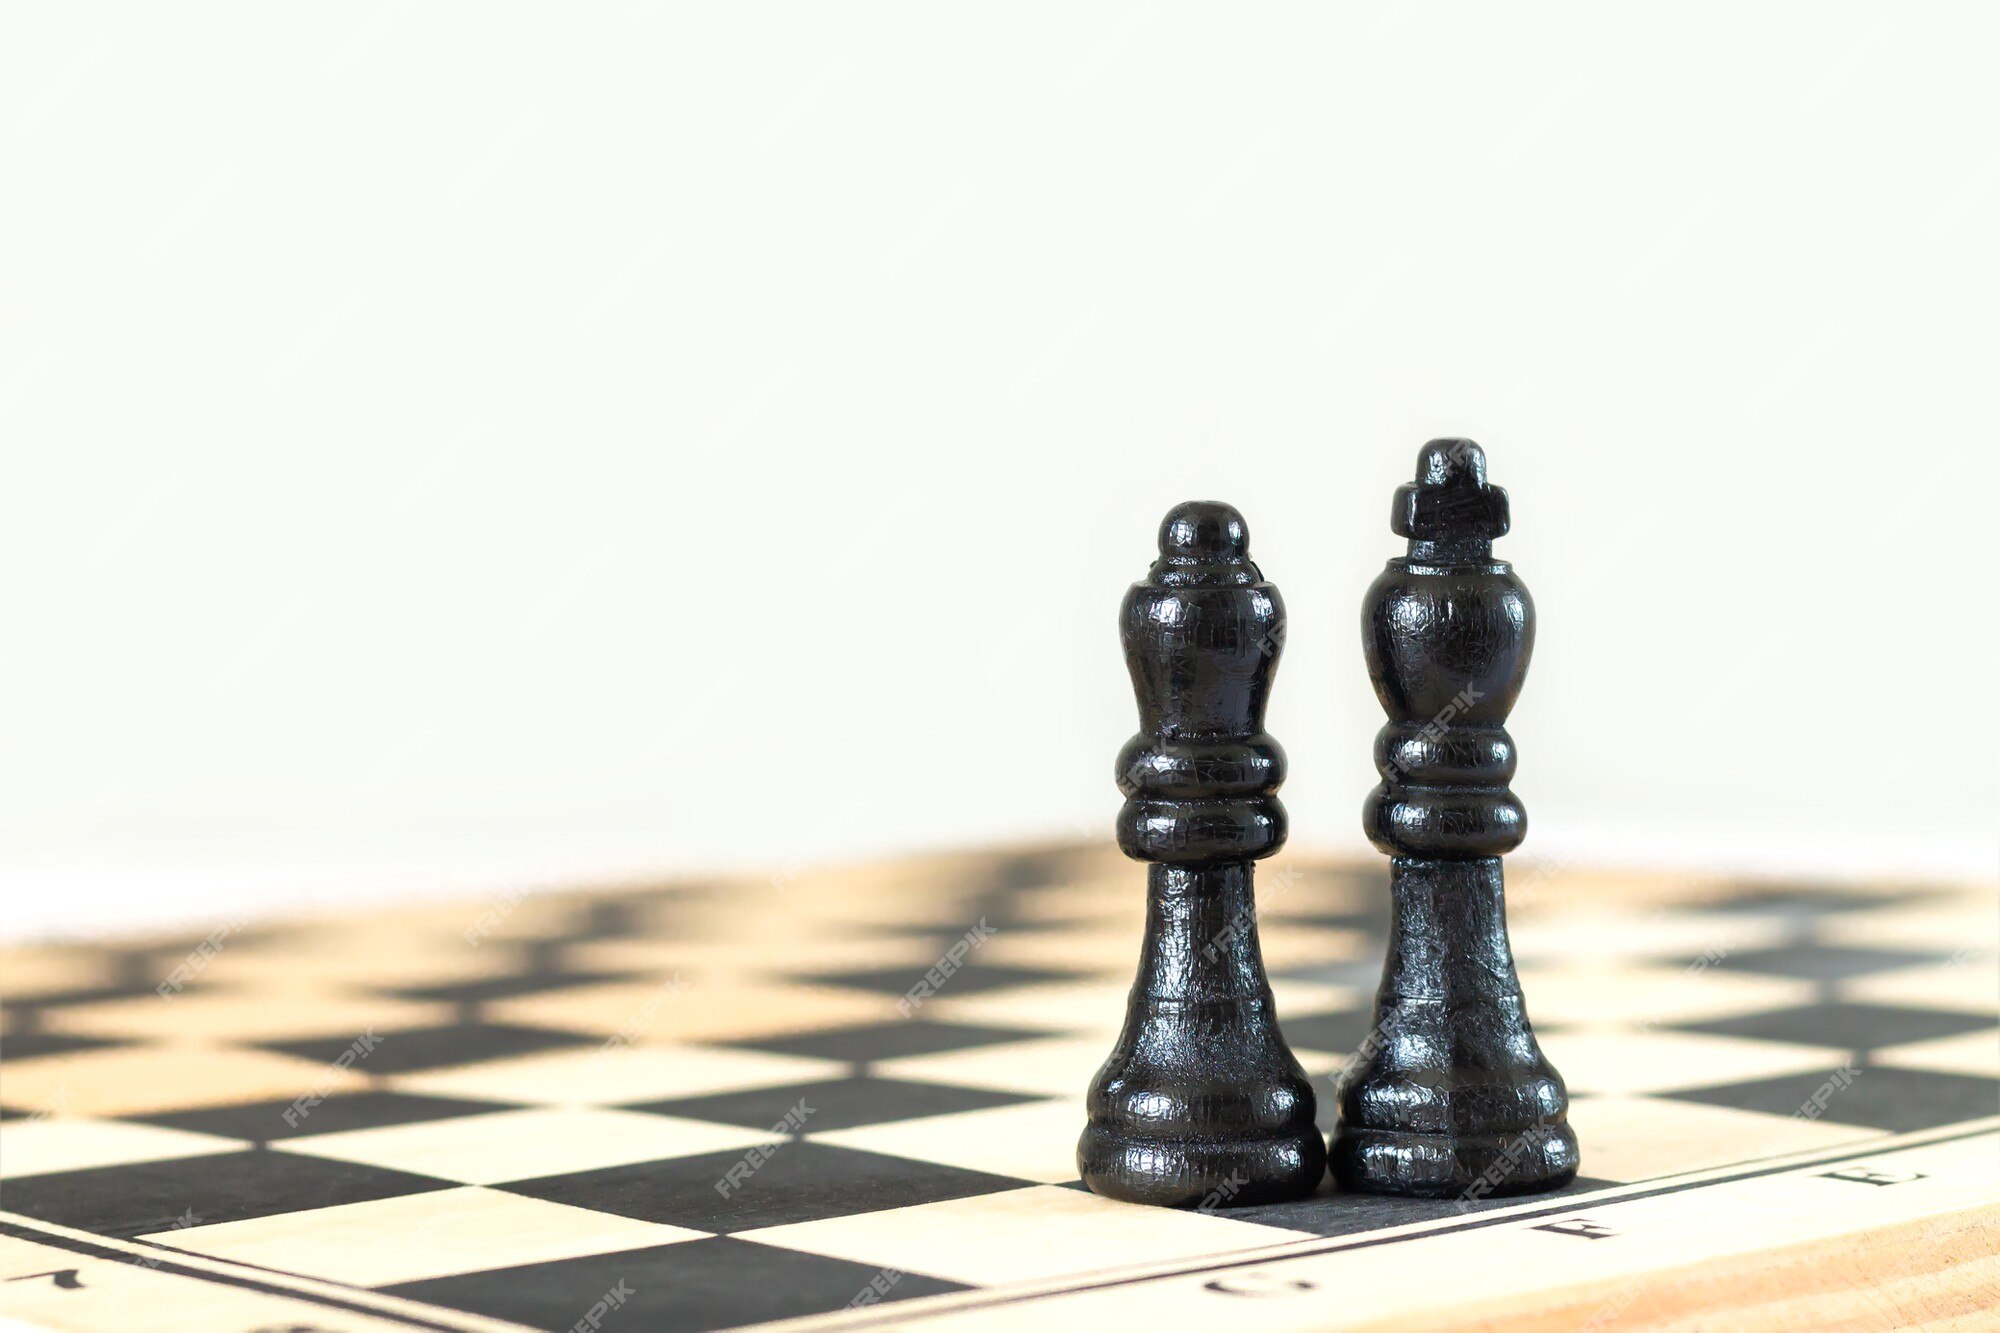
(450, 445)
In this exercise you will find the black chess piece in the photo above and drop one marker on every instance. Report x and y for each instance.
(1201, 1104)
(1450, 1094)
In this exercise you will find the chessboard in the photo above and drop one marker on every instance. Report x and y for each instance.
(851, 1098)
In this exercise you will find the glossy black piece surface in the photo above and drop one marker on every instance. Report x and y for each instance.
(1201, 1104)
(1449, 1094)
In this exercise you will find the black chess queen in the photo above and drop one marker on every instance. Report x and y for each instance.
(1201, 1104)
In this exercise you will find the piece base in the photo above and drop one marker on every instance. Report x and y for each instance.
(1442, 1166)
(1204, 1176)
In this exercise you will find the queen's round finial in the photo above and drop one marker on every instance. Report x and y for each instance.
(1204, 530)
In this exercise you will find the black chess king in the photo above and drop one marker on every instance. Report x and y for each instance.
(1201, 1104)
(1450, 1095)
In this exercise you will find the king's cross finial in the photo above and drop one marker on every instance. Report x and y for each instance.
(1450, 510)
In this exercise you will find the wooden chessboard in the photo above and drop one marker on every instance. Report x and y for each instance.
(702, 1105)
